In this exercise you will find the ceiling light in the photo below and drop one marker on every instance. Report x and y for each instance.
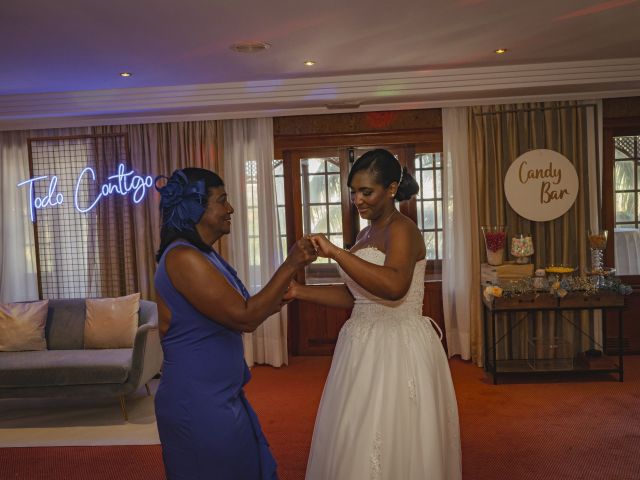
(126, 74)
(309, 63)
(250, 46)
(500, 51)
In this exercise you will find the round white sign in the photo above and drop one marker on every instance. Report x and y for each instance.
(541, 185)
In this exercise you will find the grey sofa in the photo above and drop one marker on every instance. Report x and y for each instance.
(66, 369)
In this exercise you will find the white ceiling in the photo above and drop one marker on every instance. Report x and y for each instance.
(60, 60)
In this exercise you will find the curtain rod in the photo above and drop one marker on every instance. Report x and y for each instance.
(518, 110)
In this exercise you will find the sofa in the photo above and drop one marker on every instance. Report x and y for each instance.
(67, 369)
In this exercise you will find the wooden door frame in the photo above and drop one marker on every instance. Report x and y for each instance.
(614, 128)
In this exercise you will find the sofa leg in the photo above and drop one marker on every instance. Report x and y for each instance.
(123, 407)
(146, 385)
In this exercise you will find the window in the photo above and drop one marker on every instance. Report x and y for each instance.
(321, 203)
(321, 199)
(278, 176)
(253, 222)
(253, 225)
(626, 178)
(428, 174)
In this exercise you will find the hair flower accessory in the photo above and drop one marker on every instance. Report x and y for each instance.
(181, 202)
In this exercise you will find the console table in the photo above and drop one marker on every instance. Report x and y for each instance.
(529, 303)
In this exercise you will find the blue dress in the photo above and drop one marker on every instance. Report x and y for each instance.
(207, 428)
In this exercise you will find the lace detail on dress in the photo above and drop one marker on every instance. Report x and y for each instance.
(376, 464)
(412, 389)
(370, 311)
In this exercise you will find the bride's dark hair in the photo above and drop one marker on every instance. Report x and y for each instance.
(386, 169)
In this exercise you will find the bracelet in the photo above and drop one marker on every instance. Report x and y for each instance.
(338, 253)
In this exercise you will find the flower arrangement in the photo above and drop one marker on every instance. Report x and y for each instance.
(492, 291)
(558, 287)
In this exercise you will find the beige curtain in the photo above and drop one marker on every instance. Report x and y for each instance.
(256, 255)
(159, 149)
(460, 293)
(497, 136)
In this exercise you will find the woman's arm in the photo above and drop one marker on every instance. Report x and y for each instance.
(390, 281)
(210, 293)
(330, 295)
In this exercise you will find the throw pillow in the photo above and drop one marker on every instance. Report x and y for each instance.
(22, 326)
(111, 322)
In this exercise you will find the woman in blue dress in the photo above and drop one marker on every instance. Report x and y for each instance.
(207, 428)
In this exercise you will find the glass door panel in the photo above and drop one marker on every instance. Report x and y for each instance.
(626, 191)
(321, 194)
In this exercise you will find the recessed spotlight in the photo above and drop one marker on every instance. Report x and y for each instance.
(250, 46)
(500, 51)
(126, 74)
(309, 63)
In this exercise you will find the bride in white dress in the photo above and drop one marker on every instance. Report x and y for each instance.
(388, 410)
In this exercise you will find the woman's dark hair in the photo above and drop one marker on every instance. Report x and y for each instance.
(386, 169)
(191, 186)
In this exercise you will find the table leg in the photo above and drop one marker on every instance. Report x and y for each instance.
(495, 347)
(620, 347)
(485, 339)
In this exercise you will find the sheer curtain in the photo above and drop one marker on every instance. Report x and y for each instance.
(255, 247)
(18, 272)
(461, 264)
(18, 280)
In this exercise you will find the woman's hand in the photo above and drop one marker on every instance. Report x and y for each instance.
(301, 254)
(324, 248)
(291, 292)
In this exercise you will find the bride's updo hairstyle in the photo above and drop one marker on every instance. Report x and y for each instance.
(386, 169)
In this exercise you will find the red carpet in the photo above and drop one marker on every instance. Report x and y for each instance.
(560, 430)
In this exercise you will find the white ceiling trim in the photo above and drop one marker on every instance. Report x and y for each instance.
(414, 89)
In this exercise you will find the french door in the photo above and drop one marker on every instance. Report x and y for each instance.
(318, 201)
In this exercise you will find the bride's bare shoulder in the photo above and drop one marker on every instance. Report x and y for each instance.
(404, 231)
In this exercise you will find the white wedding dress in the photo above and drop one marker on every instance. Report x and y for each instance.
(388, 410)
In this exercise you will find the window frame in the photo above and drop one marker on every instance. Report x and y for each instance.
(405, 144)
(618, 127)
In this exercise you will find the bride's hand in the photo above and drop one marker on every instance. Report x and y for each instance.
(324, 248)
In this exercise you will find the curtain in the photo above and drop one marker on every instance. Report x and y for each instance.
(18, 269)
(254, 246)
(498, 135)
(461, 260)
(154, 149)
(18, 281)
(159, 149)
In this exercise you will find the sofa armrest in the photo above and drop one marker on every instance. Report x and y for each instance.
(146, 359)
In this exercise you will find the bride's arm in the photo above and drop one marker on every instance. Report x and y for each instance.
(330, 295)
(390, 281)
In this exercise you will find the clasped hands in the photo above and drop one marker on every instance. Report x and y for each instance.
(322, 246)
(305, 251)
(308, 248)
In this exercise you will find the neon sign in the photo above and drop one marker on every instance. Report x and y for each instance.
(122, 183)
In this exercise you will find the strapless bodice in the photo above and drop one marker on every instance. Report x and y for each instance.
(368, 304)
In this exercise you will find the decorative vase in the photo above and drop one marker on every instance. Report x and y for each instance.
(522, 247)
(495, 237)
(597, 244)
